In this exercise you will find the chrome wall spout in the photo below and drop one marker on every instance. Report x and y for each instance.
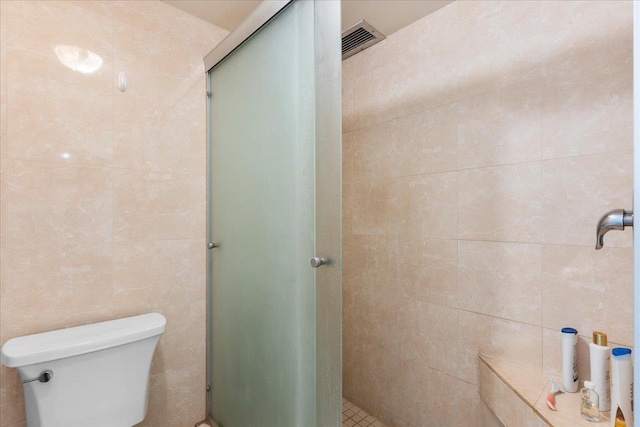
(616, 219)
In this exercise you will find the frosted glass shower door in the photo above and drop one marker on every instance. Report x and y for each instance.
(274, 203)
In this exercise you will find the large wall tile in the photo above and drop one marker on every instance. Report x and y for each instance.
(101, 7)
(500, 127)
(372, 371)
(3, 85)
(586, 41)
(500, 203)
(427, 395)
(427, 335)
(153, 85)
(597, 284)
(348, 145)
(196, 134)
(66, 201)
(71, 124)
(163, 54)
(375, 96)
(3, 201)
(370, 262)
(175, 268)
(587, 118)
(428, 142)
(197, 383)
(499, 339)
(153, 205)
(433, 34)
(162, 19)
(349, 118)
(552, 352)
(381, 328)
(371, 152)
(157, 137)
(427, 269)
(11, 398)
(173, 349)
(145, 15)
(419, 90)
(577, 191)
(170, 391)
(38, 66)
(427, 205)
(198, 339)
(515, 54)
(51, 282)
(501, 279)
(428, 72)
(40, 26)
(372, 207)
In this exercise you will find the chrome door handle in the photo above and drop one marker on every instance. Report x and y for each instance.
(212, 245)
(317, 262)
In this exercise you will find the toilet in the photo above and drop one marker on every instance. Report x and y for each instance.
(93, 375)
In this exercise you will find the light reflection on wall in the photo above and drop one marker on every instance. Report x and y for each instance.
(78, 59)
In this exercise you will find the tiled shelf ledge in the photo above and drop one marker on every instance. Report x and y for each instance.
(518, 398)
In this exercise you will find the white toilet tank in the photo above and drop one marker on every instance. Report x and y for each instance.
(94, 375)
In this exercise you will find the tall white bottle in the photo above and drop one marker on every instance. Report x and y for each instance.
(569, 360)
(600, 356)
(621, 388)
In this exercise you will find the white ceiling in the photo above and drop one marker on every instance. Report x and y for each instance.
(387, 16)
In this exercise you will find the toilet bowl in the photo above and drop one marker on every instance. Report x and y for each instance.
(93, 375)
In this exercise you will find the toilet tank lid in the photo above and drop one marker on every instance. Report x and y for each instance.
(48, 346)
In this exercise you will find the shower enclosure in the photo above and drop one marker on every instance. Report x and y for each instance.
(274, 215)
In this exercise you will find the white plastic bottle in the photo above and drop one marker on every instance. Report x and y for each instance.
(600, 356)
(621, 387)
(569, 360)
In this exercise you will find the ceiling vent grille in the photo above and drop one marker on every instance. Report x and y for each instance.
(359, 37)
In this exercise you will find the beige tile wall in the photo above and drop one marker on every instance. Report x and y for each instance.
(481, 145)
(116, 227)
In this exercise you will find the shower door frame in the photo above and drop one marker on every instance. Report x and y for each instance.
(636, 209)
(328, 140)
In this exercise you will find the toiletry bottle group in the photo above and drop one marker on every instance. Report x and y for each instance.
(611, 385)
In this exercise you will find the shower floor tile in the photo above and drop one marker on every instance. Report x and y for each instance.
(352, 416)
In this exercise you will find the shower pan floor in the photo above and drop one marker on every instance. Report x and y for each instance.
(352, 416)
